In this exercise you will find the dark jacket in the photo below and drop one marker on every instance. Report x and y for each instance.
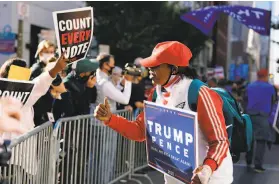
(48, 104)
(37, 69)
(80, 96)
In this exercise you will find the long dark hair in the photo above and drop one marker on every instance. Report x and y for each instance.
(4, 71)
(187, 72)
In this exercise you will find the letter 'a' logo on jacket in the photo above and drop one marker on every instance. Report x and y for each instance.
(181, 105)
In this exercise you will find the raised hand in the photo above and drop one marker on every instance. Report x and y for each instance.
(59, 66)
(102, 111)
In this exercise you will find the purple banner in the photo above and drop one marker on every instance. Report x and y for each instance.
(205, 18)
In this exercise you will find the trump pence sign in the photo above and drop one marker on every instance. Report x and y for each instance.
(171, 141)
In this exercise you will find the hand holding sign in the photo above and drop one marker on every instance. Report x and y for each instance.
(59, 66)
(102, 111)
(201, 175)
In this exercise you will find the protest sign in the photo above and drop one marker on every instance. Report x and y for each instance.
(19, 73)
(254, 18)
(74, 32)
(171, 141)
(219, 72)
(17, 89)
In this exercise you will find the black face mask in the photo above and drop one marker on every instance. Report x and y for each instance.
(110, 71)
(83, 79)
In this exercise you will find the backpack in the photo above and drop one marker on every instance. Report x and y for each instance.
(239, 125)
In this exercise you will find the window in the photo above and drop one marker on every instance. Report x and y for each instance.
(237, 29)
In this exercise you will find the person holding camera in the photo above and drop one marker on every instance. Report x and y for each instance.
(137, 95)
(105, 87)
(118, 81)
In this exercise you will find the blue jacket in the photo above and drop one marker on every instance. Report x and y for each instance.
(260, 96)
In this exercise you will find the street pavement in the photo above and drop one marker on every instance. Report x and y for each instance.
(242, 175)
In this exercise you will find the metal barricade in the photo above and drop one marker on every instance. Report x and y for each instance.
(139, 158)
(30, 159)
(78, 150)
(89, 151)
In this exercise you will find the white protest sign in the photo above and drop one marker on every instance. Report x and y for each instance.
(74, 32)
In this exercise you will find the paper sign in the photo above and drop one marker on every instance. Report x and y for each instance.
(74, 32)
(171, 141)
(219, 72)
(19, 73)
(18, 89)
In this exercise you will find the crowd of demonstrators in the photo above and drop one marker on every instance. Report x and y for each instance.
(71, 93)
(66, 90)
(62, 90)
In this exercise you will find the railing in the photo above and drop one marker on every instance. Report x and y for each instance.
(30, 157)
(78, 150)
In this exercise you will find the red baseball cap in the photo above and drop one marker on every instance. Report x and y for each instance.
(170, 52)
(262, 73)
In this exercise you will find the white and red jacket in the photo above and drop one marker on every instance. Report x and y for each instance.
(213, 138)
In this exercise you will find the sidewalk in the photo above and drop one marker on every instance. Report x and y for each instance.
(241, 174)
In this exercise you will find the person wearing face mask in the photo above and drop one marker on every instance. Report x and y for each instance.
(46, 107)
(105, 87)
(80, 84)
(45, 52)
(117, 80)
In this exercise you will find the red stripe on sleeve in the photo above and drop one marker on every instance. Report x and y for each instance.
(212, 124)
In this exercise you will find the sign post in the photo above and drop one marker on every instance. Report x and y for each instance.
(23, 13)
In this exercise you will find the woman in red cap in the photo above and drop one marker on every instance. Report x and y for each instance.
(169, 70)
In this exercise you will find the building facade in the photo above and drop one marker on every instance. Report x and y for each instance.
(204, 59)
